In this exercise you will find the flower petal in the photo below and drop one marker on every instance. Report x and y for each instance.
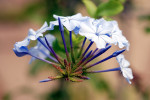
(124, 65)
(41, 51)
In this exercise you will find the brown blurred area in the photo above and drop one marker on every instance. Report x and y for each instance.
(14, 70)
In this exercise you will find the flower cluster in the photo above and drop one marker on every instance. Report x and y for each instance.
(76, 68)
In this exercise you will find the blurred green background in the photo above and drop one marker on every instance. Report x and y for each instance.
(19, 80)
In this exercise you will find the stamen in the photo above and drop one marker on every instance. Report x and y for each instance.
(63, 38)
(109, 57)
(108, 70)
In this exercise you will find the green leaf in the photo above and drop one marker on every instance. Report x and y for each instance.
(145, 17)
(77, 41)
(147, 30)
(91, 7)
(7, 96)
(109, 8)
(122, 1)
(73, 35)
(108, 18)
(57, 46)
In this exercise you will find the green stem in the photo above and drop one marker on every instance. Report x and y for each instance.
(72, 55)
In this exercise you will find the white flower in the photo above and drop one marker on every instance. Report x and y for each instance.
(119, 38)
(40, 51)
(124, 66)
(99, 31)
(33, 35)
(102, 32)
(72, 23)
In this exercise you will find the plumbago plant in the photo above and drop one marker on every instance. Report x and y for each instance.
(75, 67)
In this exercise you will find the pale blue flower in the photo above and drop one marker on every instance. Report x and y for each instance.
(41, 51)
(38, 52)
(103, 32)
(33, 35)
(124, 67)
(120, 40)
(118, 37)
(72, 23)
(20, 48)
(98, 31)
